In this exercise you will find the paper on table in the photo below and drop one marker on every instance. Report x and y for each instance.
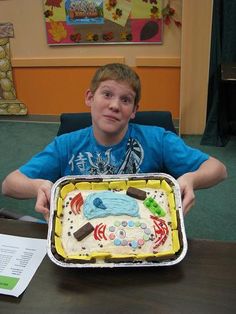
(19, 259)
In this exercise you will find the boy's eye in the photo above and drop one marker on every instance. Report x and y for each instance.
(127, 100)
(107, 94)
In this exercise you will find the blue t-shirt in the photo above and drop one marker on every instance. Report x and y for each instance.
(144, 149)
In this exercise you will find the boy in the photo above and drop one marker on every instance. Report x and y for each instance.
(113, 146)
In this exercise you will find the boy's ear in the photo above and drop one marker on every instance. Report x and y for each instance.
(134, 112)
(88, 98)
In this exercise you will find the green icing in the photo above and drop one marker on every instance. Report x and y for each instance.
(154, 207)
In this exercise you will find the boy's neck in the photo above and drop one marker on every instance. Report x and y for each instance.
(109, 139)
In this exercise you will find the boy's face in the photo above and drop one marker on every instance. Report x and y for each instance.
(112, 106)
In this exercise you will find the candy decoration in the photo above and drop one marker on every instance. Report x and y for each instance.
(66, 189)
(136, 193)
(154, 207)
(84, 231)
(117, 242)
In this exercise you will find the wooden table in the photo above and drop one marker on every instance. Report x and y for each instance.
(204, 282)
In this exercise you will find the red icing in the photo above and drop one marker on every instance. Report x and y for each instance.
(76, 203)
(99, 232)
(161, 231)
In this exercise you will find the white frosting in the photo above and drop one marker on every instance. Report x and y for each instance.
(117, 234)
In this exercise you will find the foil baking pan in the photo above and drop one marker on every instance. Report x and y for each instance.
(64, 262)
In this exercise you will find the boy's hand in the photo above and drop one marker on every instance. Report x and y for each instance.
(187, 192)
(43, 199)
(211, 172)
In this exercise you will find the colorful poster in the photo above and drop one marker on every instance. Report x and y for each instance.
(70, 22)
(84, 12)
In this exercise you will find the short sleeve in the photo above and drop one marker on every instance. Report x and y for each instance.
(178, 157)
(44, 165)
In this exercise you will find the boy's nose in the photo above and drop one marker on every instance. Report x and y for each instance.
(114, 104)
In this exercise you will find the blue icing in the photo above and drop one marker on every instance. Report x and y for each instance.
(116, 204)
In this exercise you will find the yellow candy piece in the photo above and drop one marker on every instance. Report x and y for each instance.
(59, 206)
(66, 189)
(136, 183)
(100, 185)
(80, 257)
(58, 227)
(171, 200)
(123, 256)
(59, 247)
(117, 185)
(83, 186)
(154, 184)
(174, 222)
(165, 186)
(166, 253)
(100, 254)
(175, 239)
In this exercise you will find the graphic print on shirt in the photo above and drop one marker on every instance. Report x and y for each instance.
(100, 165)
(133, 157)
(97, 163)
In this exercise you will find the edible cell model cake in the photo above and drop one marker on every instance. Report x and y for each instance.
(115, 221)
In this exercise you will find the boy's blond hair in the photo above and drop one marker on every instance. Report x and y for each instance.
(120, 73)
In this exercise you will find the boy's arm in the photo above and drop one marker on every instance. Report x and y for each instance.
(17, 185)
(211, 172)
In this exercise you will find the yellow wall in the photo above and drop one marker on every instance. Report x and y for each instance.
(51, 80)
(174, 74)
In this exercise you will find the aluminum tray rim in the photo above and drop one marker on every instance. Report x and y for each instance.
(160, 175)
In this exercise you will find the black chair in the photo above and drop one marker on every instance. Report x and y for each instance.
(75, 121)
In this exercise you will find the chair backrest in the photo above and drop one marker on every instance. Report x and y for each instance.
(75, 121)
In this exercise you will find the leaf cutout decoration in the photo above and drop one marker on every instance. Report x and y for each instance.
(149, 30)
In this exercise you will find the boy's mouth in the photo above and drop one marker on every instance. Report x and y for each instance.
(112, 118)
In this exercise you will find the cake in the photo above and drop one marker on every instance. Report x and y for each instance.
(117, 220)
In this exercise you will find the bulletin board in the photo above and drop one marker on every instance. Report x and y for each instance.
(75, 22)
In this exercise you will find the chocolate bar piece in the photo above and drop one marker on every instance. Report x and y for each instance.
(119, 259)
(84, 231)
(136, 193)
